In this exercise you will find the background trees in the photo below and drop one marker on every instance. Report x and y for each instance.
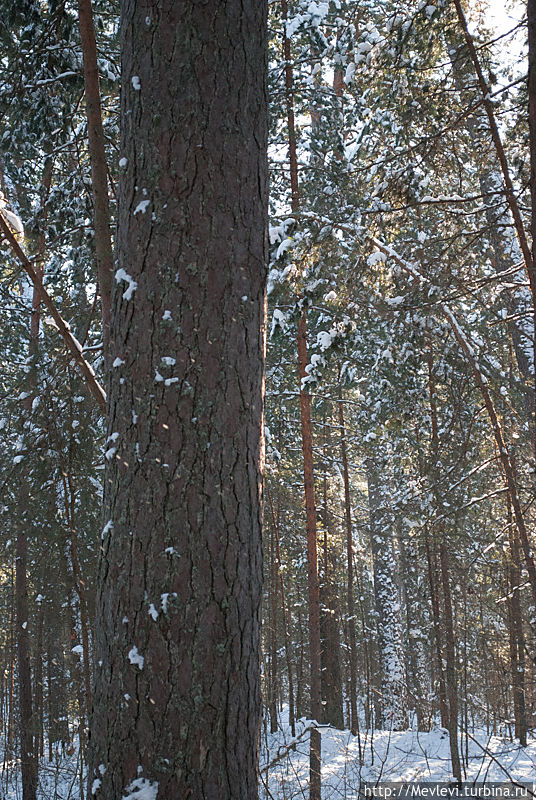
(394, 235)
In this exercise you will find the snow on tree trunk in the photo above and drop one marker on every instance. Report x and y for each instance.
(176, 707)
(387, 598)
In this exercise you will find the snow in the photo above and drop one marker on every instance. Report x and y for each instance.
(141, 789)
(388, 756)
(123, 162)
(117, 362)
(121, 275)
(77, 650)
(324, 339)
(283, 247)
(135, 657)
(136, 83)
(165, 599)
(141, 208)
(376, 258)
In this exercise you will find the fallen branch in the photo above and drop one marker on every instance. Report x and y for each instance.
(284, 751)
(73, 345)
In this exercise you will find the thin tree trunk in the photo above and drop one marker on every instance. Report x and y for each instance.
(354, 721)
(71, 343)
(28, 761)
(312, 565)
(436, 620)
(502, 447)
(516, 637)
(38, 681)
(450, 659)
(332, 694)
(286, 633)
(387, 599)
(307, 448)
(272, 689)
(511, 199)
(99, 168)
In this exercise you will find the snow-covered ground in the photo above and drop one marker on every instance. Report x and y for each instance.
(406, 756)
(59, 779)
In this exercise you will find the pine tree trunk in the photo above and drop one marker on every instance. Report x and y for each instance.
(450, 669)
(28, 761)
(388, 608)
(285, 621)
(272, 688)
(99, 167)
(354, 721)
(433, 583)
(312, 567)
(307, 449)
(38, 681)
(177, 643)
(516, 637)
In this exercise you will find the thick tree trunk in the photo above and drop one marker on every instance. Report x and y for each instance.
(176, 709)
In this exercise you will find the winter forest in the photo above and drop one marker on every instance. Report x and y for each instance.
(267, 397)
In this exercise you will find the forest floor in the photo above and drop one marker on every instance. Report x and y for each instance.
(407, 756)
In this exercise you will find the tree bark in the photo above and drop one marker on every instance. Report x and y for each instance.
(307, 449)
(388, 607)
(450, 669)
(99, 167)
(516, 636)
(176, 709)
(354, 721)
(312, 565)
(436, 621)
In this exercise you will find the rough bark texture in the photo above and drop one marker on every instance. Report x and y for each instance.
(176, 699)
